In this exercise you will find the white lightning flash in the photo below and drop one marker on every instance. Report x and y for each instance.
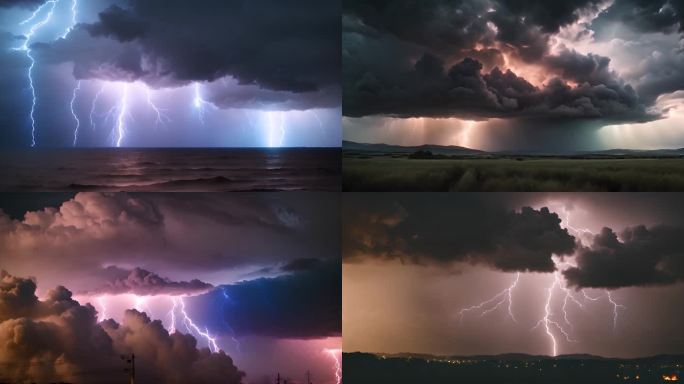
(333, 353)
(121, 119)
(199, 103)
(495, 302)
(190, 326)
(73, 113)
(94, 105)
(161, 116)
(276, 128)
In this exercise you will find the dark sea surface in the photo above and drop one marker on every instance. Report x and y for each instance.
(168, 169)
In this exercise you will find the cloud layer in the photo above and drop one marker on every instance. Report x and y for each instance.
(145, 283)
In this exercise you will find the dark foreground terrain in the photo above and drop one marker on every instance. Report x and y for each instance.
(418, 172)
(364, 368)
(169, 169)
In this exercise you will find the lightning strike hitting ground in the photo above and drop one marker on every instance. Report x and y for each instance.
(121, 119)
(333, 353)
(73, 113)
(499, 299)
(552, 325)
(276, 128)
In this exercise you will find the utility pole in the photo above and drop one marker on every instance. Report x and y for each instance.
(130, 367)
(308, 377)
(278, 379)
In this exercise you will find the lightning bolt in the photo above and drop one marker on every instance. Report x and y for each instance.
(616, 306)
(338, 364)
(25, 47)
(547, 320)
(498, 300)
(199, 103)
(92, 107)
(172, 314)
(121, 119)
(276, 129)
(103, 312)
(161, 116)
(78, 122)
(190, 326)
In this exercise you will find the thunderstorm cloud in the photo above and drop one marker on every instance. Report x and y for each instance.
(66, 339)
(145, 283)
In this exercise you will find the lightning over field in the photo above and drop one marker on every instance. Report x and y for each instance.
(553, 275)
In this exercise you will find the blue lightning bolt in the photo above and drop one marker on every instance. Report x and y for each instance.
(190, 326)
(25, 47)
(73, 113)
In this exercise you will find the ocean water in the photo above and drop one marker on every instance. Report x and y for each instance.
(187, 169)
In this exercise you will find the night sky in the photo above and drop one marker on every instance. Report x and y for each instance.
(260, 273)
(507, 75)
(170, 73)
(414, 263)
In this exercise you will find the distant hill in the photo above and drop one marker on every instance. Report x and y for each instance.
(520, 357)
(454, 150)
(449, 150)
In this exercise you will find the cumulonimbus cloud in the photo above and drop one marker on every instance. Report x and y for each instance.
(58, 339)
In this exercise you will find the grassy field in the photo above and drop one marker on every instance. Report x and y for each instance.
(385, 173)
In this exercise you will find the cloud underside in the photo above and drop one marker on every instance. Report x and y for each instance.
(479, 59)
(476, 231)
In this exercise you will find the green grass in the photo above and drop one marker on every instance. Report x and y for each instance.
(504, 174)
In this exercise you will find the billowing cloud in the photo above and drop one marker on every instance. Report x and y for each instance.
(639, 256)
(57, 339)
(469, 229)
(145, 283)
(182, 237)
(303, 304)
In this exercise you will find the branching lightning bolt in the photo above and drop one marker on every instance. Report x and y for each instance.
(103, 313)
(25, 47)
(73, 113)
(161, 116)
(190, 326)
(499, 299)
(338, 364)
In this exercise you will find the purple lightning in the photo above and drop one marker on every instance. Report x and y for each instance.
(333, 353)
(190, 326)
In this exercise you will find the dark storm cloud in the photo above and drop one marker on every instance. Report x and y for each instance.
(306, 303)
(638, 256)
(478, 230)
(430, 89)
(64, 343)
(665, 16)
(446, 57)
(275, 45)
(145, 283)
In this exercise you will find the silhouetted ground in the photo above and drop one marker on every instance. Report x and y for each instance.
(421, 171)
(364, 368)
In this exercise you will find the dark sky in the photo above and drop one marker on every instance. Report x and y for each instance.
(172, 73)
(501, 74)
(260, 272)
(412, 262)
